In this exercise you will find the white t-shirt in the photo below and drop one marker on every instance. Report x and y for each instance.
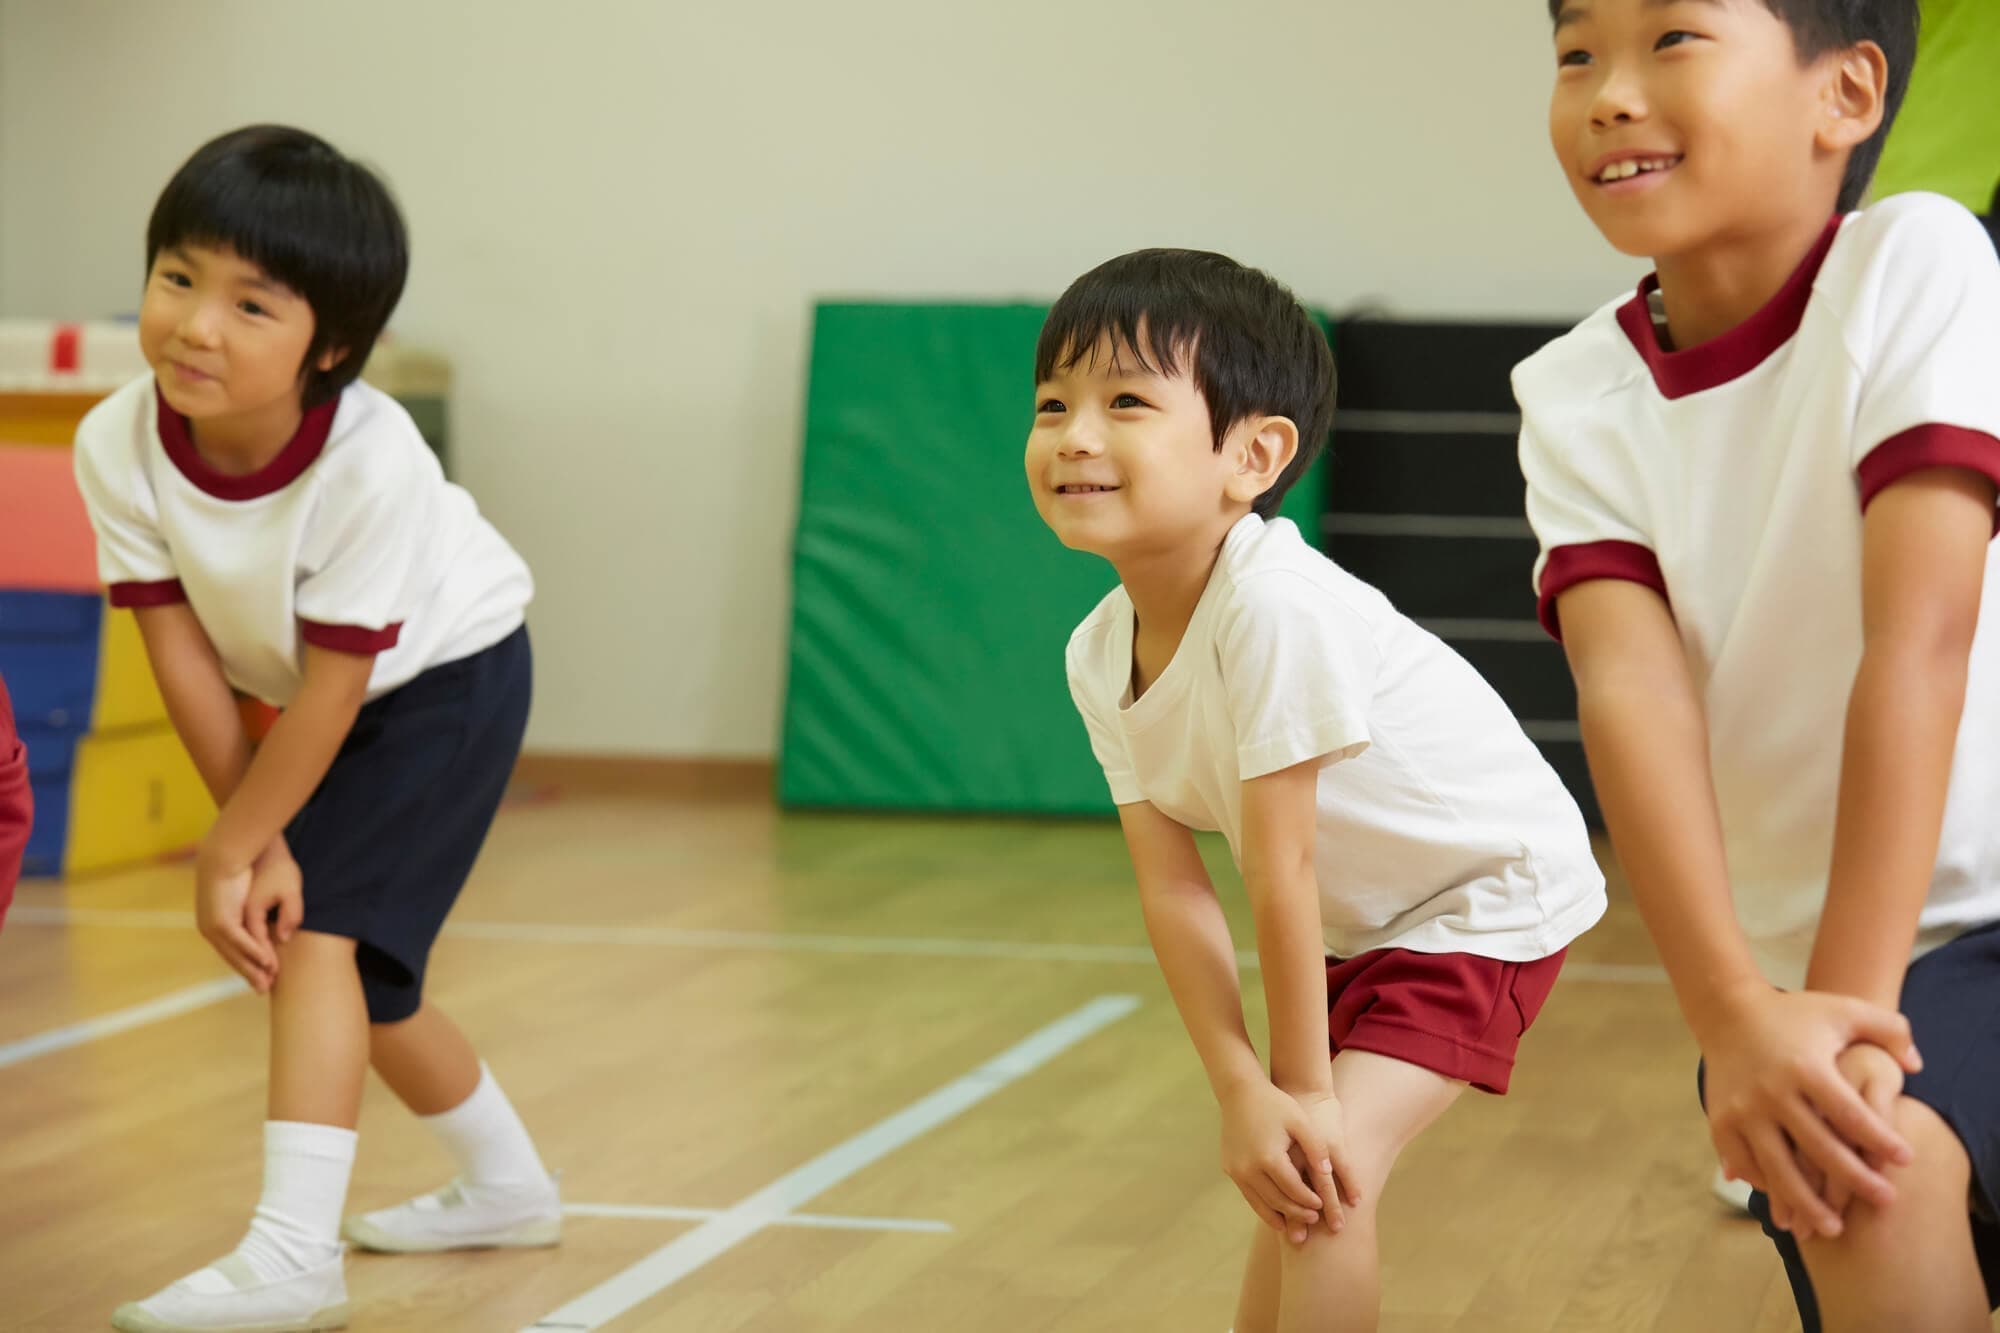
(1732, 477)
(350, 538)
(1441, 828)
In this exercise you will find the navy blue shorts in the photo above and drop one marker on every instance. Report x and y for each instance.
(1952, 998)
(387, 841)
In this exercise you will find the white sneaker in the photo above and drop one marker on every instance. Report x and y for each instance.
(463, 1217)
(1735, 1193)
(226, 1297)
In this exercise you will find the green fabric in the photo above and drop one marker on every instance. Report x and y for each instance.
(1947, 138)
(931, 606)
(430, 416)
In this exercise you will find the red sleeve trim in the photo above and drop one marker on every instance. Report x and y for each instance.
(1929, 446)
(352, 638)
(1568, 566)
(164, 593)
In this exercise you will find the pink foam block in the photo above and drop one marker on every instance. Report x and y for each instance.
(45, 539)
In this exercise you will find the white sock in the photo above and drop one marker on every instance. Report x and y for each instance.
(297, 1223)
(487, 1139)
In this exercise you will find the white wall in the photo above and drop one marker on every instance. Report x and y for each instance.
(622, 212)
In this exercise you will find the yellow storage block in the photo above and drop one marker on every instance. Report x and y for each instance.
(134, 795)
(126, 693)
(38, 417)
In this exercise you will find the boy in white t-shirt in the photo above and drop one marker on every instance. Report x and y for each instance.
(281, 529)
(1764, 489)
(1415, 868)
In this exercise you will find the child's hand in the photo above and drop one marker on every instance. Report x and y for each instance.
(1332, 1175)
(221, 892)
(276, 885)
(1873, 1073)
(1782, 1115)
(1260, 1125)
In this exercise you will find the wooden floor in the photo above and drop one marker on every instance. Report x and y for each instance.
(691, 998)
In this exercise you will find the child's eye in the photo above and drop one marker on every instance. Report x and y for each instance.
(1129, 400)
(1674, 38)
(1050, 405)
(174, 279)
(1576, 58)
(252, 308)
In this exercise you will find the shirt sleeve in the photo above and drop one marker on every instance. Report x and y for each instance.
(1930, 395)
(1586, 529)
(1299, 666)
(16, 803)
(133, 561)
(358, 561)
(1087, 691)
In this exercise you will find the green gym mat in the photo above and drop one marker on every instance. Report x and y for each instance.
(930, 605)
(1947, 137)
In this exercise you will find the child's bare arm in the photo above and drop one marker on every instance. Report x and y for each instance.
(199, 700)
(293, 757)
(1280, 813)
(257, 797)
(1647, 741)
(1924, 543)
(1772, 1082)
(1190, 938)
(1280, 826)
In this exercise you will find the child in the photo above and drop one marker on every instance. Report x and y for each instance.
(282, 530)
(1764, 491)
(1415, 869)
(17, 806)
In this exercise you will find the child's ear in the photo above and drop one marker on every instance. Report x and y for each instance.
(330, 358)
(1857, 93)
(1268, 446)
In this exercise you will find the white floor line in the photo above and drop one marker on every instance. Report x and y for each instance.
(667, 1213)
(123, 1020)
(722, 1233)
(23, 915)
(750, 941)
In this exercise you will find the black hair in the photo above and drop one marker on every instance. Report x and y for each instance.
(1252, 349)
(320, 223)
(1820, 26)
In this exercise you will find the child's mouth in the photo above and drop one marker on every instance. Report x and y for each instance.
(1631, 168)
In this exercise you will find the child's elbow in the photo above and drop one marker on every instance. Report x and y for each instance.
(1930, 642)
(1272, 875)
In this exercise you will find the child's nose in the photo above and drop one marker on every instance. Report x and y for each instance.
(1619, 101)
(199, 326)
(1080, 442)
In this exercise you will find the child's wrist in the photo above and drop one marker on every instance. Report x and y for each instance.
(1721, 1008)
(1306, 1086)
(1227, 1083)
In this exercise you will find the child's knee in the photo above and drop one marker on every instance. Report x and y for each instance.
(1931, 1192)
(309, 948)
(1939, 1167)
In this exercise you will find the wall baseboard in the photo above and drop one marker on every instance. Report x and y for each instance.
(639, 775)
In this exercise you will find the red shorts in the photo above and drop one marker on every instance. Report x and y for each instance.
(16, 803)
(1456, 1014)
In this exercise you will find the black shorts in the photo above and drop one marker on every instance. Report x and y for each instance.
(1952, 998)
(387, 841)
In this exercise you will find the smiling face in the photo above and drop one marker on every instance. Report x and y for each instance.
(1122, 462)
(1679, 123)
(226, 342)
